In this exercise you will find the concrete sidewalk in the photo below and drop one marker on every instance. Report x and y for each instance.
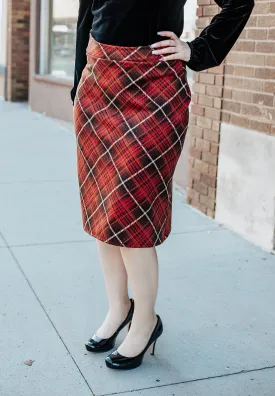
(216, 290)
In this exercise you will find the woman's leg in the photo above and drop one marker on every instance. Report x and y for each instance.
(142, 268)
(115, 276)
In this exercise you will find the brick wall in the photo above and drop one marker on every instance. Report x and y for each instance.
(204, 127)
(241, 92)
(249, 84)
(18, 50)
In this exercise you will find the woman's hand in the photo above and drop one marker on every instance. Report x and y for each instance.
(177, 48)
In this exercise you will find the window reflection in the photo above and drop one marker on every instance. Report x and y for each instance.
(63, 36)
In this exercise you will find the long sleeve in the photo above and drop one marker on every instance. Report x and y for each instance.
(84, 25)
(216, 40)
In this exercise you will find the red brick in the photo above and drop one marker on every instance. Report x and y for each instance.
(196, 131)
(252, 84)
(199, 11)
(217, 69)
(256, 34)
(192, 194)
(271, 34)
(269, 86)
(18, 50)
(213, 169)
(212, 192)
(207, 201)
(226, 117)
(204, 122)
(216, 126)
(261, 8)
(241, 121)
(210, 135)
(214, 90)
(198, 205)
(202, 145)
(205, 100)
(217, 103)
(241, 96)
(197, 109)
(228, 69)
(235, 58)
(244, 71)
(265, 73)
(202, 22)
(247, 46)
(252, 22)
(261, 126)
(203, 2)
(201, 166)
(199, 88)
(227, 93)
(219, 80)
(195, 153)
(251, 110)
(196, 175)
(214, 114)
(232, 106)
(233, 82)
(210, 10)
(267, 47)
(210, 158)
(210, 212)
(214, 148)
(270, 60)
(266, 21)
(263, 99)
(208, 181)
(200, 187)
(207, 78)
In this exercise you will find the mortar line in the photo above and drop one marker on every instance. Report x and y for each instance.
(46, 313)
(191, 381)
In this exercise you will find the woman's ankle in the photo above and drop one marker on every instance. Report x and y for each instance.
(120, 306)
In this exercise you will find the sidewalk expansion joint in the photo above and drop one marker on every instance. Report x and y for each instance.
(47, 315)
(191, 381)
(94, 239)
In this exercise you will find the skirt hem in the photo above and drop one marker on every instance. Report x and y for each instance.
(127, 245)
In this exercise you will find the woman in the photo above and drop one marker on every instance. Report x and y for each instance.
(131, 106)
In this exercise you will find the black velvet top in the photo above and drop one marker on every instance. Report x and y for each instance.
(136, 22)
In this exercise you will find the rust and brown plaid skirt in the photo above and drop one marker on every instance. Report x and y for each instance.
(130, 115)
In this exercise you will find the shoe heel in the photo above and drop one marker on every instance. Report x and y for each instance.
(153, 347)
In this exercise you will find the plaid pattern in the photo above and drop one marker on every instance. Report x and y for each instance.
(130, 116)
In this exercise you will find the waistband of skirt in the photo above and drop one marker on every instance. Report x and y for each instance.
(120, 53)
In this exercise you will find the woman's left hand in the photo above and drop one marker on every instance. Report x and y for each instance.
(177, 48)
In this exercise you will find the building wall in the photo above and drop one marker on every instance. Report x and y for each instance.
(48, 94)
(205, 124)
(3, 43)
(18, 31)
(246, 183)
(233, 131)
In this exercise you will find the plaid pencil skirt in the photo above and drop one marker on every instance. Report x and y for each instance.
(130, 116)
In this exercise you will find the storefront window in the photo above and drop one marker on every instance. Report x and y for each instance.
(63, 36)
(58, 36)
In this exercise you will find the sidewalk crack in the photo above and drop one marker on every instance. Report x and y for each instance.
(191, 381)
(47, 315)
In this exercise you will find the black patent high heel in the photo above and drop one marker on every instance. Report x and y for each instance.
(97, 344)
(117, 361)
